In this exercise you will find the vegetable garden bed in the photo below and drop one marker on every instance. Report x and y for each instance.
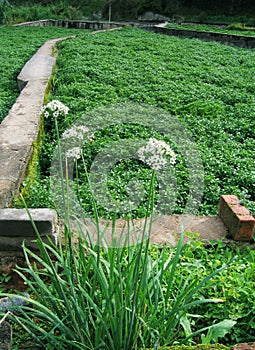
(208, 86)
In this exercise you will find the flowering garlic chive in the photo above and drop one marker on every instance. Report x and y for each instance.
(155, 153)
(78, 132)
(74, 152)
(55, 108)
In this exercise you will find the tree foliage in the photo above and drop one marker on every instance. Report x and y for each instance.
(131, 9)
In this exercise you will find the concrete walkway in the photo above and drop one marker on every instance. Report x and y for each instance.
(164, 230)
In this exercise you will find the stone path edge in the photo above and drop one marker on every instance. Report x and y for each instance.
(19, 129)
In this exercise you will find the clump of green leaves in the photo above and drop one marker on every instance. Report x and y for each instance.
(109, 298)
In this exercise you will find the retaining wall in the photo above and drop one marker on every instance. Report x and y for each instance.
(247, 42)
(76, 24)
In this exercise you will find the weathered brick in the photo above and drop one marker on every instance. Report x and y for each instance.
(236, 218)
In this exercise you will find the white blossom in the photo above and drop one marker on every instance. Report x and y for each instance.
(77, 132)
(55, 108)
(46, 114)
(74, 152)
(156, 153)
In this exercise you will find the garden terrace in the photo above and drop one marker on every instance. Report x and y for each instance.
(92, 70)
(98, 63)
(241, 40)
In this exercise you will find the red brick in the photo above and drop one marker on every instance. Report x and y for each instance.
(237, 219)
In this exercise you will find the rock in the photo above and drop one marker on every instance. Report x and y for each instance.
(12, 304)
(152, 17)
(5, 336)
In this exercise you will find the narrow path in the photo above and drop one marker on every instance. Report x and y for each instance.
(106, 30)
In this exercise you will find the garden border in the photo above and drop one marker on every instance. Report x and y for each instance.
(19, 129)
(245, 42)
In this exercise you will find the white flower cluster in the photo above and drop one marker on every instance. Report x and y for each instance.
(74, 152)
(55, 108)
(154, 154)
(77, 132)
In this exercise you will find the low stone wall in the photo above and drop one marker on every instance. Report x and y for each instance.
(247, 42)
(76, 24)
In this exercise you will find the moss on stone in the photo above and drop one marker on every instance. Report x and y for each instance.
(32, 169)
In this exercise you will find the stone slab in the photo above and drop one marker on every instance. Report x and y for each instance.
(17, 223)
(40, 65)
(37, 68)
(15, 243)
(12, 166)
(20, 126)
(247, 42)
(164, 229)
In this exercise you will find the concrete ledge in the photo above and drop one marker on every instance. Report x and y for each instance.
(20, 128)
(237, 218)
(16, 226)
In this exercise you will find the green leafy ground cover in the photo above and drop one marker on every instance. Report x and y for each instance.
(237, 29)
(208, 86)
(17, 46)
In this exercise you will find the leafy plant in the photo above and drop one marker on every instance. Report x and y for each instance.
(217, 331)
(98, 295)
(113, 298)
